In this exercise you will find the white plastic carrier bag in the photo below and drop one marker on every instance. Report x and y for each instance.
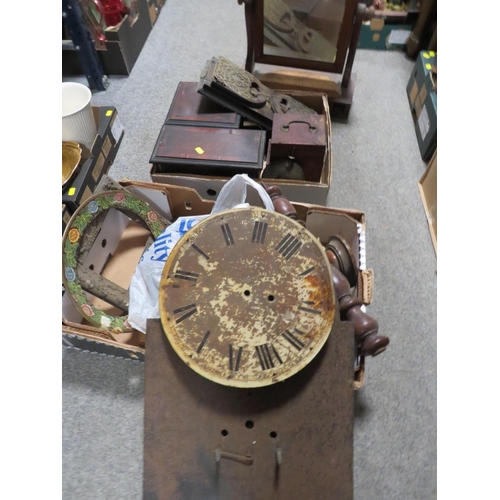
(145, 283)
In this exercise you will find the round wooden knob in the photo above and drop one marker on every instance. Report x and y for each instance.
(340, 254)
(281, 204)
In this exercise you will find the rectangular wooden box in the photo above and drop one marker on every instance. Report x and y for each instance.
(303, 137)
(191, 108)
(209, 151)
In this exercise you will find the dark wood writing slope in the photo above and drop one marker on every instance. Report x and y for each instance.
(291, 440)
(209, 151)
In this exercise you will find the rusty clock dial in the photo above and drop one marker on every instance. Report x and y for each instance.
(246, 297)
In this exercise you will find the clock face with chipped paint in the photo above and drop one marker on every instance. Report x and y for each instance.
(246, 297)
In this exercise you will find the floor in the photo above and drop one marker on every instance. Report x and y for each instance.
(377, 166)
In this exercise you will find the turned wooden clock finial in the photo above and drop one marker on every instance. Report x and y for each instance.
(281, 204)
(365, 327)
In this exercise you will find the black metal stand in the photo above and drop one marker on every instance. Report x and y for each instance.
(83, 44)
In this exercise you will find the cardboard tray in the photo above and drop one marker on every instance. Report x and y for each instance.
(120, 244)
(316, 193)
(428, 192)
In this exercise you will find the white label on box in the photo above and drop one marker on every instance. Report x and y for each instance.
(424, 124)
(362, 252)
(398, 37)
(117, 129)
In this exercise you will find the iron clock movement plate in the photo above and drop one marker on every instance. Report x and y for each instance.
(246, 298)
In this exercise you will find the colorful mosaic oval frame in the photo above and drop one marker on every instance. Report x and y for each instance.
(72, 238)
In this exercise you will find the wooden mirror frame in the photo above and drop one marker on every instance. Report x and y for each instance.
(354, 14)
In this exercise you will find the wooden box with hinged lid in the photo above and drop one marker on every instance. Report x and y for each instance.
(297, 142)
(209, 150)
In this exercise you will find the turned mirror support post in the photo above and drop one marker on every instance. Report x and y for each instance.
(250, 60)
(362, 14)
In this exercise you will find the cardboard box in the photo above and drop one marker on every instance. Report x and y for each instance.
(422, 97)
(428, 192)
(119, 245)
(377, 34)
(96, 161)
(422, 71)
(299, 191)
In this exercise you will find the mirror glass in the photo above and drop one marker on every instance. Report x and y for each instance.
(303, 29)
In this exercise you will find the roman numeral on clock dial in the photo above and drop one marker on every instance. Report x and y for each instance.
(234, 357)
(293, 339)
(267, 355)
(186, 275)
(200, 251)
(185, 312)
(226, 231)
(203, 342)
(307, 271)
(306, 307)
(259, 232)
(288, 246)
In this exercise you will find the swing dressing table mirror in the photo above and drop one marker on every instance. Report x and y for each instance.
(305, 45)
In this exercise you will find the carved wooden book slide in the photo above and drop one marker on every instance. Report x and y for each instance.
(233, 87)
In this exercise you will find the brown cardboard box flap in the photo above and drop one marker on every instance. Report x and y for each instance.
(428, 192)
(183, 200)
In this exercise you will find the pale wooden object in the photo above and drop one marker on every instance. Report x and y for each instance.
(300, 80)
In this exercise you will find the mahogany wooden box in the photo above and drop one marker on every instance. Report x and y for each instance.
(303, 137)
(191, 108)
(209, 151)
